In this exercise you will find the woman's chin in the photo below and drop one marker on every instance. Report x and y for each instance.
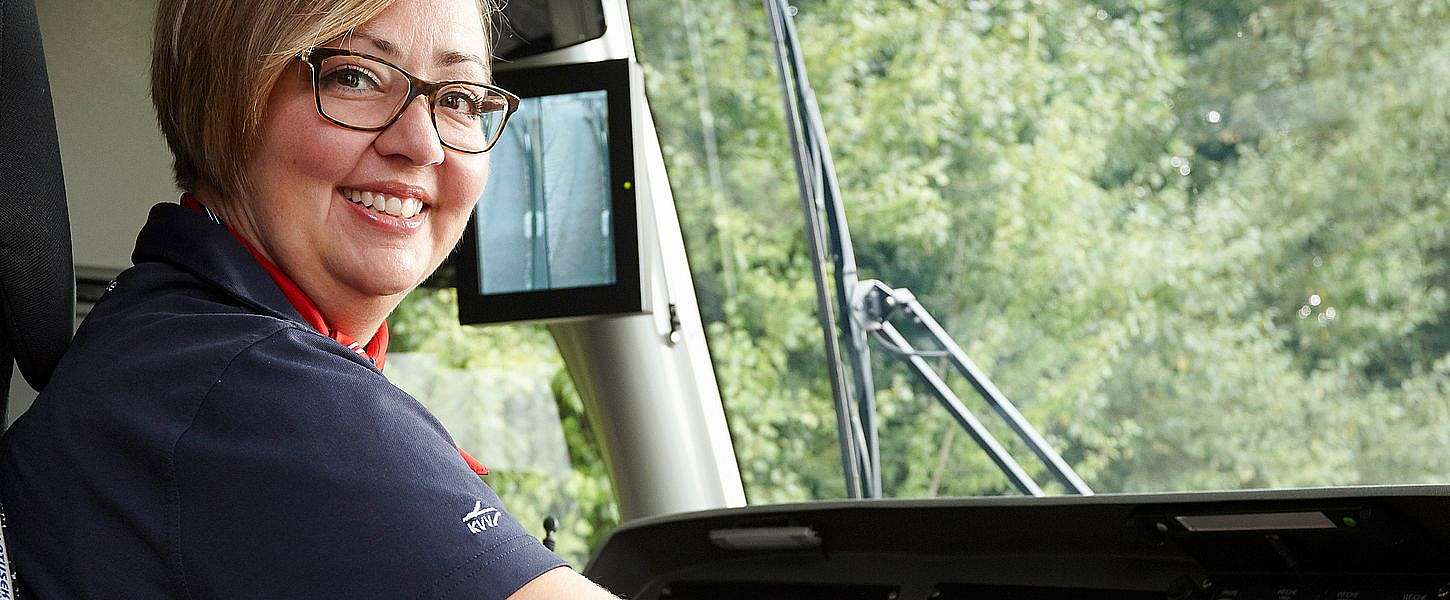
(383, 282)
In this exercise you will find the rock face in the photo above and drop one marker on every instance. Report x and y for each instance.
(505, 418)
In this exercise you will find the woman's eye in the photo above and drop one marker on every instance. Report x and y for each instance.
(461, 104)
(350, 80)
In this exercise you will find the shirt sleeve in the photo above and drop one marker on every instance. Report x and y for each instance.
(305, 474)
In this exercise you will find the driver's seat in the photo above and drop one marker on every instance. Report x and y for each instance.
(37, 277)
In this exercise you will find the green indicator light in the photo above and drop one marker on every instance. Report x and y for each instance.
(1350, 522)
(629, 185)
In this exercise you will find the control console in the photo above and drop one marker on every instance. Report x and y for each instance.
(1376, 543)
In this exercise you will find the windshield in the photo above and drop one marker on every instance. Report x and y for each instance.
(1199, 245)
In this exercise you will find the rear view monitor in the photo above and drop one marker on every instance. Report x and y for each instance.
(554, 235)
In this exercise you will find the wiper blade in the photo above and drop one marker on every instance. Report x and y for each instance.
(862, 307)
(825, 231)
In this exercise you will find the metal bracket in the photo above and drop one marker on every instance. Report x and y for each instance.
(874, 304)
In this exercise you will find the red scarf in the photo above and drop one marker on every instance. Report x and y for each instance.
(376, 349)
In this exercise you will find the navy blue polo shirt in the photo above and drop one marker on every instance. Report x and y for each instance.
(200, 440)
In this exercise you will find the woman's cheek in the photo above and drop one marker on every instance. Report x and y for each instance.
(469, 181)
(473, 175)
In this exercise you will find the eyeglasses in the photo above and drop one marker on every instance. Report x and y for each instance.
(367, 93)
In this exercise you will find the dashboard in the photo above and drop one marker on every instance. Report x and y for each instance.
(1373, 543)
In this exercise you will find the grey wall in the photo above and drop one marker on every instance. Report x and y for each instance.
(98, 54)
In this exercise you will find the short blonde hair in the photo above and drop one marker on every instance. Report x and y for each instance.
(215, 62)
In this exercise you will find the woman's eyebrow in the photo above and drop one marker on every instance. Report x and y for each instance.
(383, 46)
(446, 58)
(454, 57)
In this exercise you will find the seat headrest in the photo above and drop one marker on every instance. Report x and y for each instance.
(37, 277)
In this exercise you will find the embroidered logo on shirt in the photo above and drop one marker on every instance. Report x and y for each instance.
(483, 518)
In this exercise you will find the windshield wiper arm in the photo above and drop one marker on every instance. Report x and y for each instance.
(820, 200)
(877, 303)
(862, 307)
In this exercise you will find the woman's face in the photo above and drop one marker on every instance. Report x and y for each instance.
(306, 167)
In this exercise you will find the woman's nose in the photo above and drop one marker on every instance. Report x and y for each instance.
(413, 136)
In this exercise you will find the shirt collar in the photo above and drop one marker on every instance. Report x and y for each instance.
(376, 349)
(192, 240)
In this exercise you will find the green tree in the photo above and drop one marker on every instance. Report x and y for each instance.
(1160, 225)
(1201, 243)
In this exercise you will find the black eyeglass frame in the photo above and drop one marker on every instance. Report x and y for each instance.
(314, 56)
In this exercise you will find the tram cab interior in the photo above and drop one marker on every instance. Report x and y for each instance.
(602, 239)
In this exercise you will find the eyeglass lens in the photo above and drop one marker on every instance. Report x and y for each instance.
(361, 92)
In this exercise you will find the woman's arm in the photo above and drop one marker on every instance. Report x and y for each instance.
(562, 582)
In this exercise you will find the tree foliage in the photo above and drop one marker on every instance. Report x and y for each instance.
(1202, 244)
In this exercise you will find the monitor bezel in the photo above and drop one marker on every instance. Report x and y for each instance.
(625, 295)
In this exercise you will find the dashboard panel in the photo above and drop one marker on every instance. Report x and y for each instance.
(1371, 543)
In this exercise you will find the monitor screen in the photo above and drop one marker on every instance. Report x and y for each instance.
(554, 235)
(544, 221)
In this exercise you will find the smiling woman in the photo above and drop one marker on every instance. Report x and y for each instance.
(303, 161)
(221, 426)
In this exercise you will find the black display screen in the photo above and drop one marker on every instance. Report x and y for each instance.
(545, 219)
(554, 235)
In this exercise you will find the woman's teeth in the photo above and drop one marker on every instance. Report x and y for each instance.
(398, 207)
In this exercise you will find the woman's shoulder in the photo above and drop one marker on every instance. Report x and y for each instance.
(156, 314)
(158, 340)
(297, 376)
(160, 349)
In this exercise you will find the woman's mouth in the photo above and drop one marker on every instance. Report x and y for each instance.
(403, 208)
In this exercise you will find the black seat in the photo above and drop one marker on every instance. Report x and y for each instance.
(37, 278)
